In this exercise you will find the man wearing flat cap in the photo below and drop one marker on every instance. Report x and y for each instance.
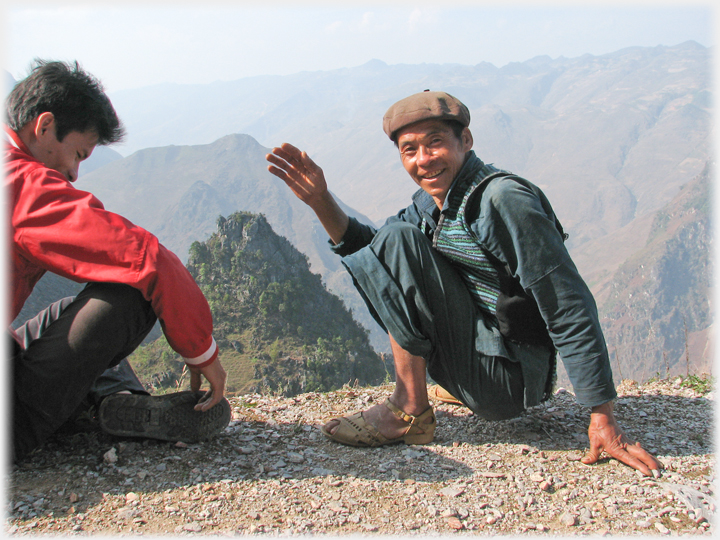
(472, 282)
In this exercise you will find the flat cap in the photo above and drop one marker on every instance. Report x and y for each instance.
(424, 106)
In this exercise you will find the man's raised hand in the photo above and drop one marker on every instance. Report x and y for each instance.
(299, 172)
(307, 180)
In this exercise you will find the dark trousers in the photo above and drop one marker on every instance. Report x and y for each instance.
(415, 294)
(73, 350)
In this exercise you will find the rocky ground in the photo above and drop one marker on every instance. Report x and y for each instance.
(272, 472)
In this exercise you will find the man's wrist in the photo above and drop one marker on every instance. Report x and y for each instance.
(605, 408)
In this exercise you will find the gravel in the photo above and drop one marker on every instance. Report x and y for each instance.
(272, 472)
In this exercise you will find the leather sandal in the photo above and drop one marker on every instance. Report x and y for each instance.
(354, 430)
(438, 393)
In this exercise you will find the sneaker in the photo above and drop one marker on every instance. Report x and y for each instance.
(168, 417)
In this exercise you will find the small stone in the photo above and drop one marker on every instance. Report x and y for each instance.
(451, 492)
(126, 513)
(192, 527)
(73, 497)
(110, 456)
(662, 529)
(455, 523)
(568, 520)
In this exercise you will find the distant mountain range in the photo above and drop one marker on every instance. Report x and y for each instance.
(611, 139)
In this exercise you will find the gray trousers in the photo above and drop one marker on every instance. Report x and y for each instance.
(415, 294)
(73, 351)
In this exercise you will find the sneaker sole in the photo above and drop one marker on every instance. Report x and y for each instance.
(169, 417)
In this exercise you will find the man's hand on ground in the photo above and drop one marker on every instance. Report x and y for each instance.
(605, 434)
(216, 376)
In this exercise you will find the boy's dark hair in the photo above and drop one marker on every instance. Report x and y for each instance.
(76, 99)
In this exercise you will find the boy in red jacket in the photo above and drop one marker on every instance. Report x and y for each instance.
(76, 347)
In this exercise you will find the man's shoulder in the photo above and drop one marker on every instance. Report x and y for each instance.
(509, 184)
(20, 167)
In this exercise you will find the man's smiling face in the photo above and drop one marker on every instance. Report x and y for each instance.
(432, 155)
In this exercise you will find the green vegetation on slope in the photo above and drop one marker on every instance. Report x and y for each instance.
(278, 328)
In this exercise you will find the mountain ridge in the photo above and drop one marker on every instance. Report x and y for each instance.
(278, 329)
(548, 120)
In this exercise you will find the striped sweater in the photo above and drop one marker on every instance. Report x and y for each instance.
(453, 239)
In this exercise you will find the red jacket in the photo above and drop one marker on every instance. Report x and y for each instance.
(59, 228)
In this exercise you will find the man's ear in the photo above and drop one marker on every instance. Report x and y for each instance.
(467, 139)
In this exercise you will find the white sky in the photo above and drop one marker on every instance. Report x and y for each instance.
(129, 45)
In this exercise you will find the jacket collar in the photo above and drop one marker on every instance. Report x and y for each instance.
(466, 175)
(472, 165)
(12, 138)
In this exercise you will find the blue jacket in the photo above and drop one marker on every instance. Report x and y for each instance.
(513, 221)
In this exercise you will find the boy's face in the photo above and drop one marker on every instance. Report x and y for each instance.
(65, 156)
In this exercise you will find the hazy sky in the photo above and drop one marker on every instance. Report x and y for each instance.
(128, 45)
